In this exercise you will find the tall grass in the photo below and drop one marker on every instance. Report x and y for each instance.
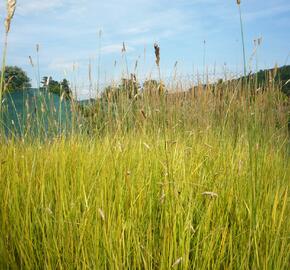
(149, 180)
(10, 7)
(242, 35)
(128, 197)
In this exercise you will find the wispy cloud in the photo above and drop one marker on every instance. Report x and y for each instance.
(268, 13)
(115, 48)
(62, 64)
(28, 7)
(135, 30)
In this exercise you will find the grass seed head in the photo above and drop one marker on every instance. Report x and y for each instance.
(123, 48)
(31, 61)
(177, 262)
(210, 194)
(157, 53)
(143, 114)
(11, 7)
(102, 215)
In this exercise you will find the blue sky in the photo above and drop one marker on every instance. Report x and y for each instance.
(68, 34)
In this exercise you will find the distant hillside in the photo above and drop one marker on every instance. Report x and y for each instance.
(278, 74)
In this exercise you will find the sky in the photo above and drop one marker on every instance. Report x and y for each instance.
(198, 35)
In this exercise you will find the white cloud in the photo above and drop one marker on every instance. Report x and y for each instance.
(115, 48)
(61, 64)
(268, 12)
(26, 7)
(135, 30)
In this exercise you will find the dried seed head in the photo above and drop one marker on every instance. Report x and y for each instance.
(157, 54)
(238, 2)
(123, 48)
(210, 194)
(48, 210)
(37, 47)
(11, 7)
(31, 61)
(102, 215)
(136, 65)
(177, 262)
(143, 114)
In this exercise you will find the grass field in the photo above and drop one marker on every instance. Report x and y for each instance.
(152, 179)
(183, 181)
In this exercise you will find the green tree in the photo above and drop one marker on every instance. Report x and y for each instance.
(16, 79)
(44, 81)
(65, 87)
(56, 87)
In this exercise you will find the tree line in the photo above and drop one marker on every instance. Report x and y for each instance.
(61, 88)
(16, 78)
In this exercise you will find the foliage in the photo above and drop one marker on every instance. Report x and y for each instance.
(276, 75)
(16, 79)
(258, 81)
(281, 75)
(60, 88)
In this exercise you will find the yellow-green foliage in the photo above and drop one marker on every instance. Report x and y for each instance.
(134, 198)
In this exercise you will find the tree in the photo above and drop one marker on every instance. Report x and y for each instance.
(54, 86)
(59, 88)
(65, 86)
(16, 79)
(44, 81)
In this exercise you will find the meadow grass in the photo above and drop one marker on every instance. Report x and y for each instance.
(184, 180)
(180, 181)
